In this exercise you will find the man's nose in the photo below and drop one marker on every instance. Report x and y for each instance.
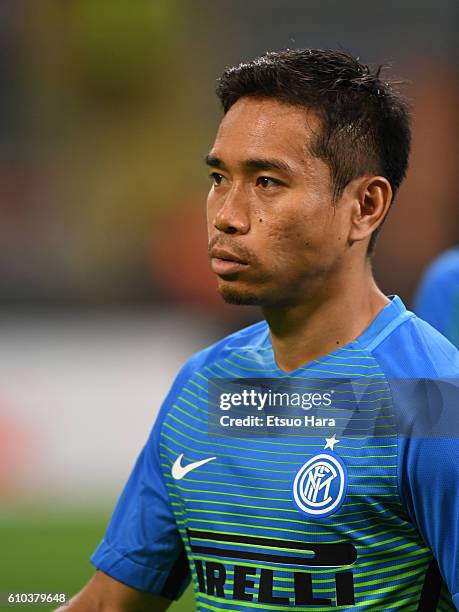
(232, 216)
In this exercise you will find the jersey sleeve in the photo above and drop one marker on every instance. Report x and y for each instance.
(429, 481)
(422, 369)
(142, 547)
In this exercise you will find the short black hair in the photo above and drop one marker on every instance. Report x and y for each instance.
(365, 120)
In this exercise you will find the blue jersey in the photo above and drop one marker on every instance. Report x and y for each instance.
(437, 298)
(362, 522)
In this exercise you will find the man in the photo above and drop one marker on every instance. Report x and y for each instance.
(305, 164)
(437, 297)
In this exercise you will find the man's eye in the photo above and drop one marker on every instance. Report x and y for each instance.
(266, 182)
(216, 178)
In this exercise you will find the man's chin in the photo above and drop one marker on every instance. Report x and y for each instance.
(264, 297)
(240, 298)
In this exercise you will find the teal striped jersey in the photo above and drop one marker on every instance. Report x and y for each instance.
(296, 522)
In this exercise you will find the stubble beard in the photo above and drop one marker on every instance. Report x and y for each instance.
(241, 297)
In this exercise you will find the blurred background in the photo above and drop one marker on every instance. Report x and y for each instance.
(107, 109)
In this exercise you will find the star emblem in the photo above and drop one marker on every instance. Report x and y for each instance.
(330, 442)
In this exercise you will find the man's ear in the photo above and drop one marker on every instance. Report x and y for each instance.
(371, 198)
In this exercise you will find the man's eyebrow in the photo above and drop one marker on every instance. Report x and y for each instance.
(256, 163)
(214, 162)
(267, 164)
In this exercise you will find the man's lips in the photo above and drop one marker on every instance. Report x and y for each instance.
(224, 262)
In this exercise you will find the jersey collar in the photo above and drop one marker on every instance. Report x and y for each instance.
(390, 317)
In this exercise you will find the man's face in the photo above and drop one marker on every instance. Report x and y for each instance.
(275, 236)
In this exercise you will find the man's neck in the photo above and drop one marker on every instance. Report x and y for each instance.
(304, 332)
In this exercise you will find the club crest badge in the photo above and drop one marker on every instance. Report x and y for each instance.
(319, 486)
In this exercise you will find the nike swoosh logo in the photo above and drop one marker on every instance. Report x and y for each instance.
(179, 471)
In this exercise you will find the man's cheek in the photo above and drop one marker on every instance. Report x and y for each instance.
(290, 241)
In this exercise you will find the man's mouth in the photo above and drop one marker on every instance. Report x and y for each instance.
(225, 262)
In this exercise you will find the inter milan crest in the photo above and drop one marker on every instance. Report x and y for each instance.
(319, 487)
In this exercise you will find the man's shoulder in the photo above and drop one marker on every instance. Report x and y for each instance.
(437, 297)
(199, 365)
(445, 265)
(250, 338)
(440, 279)
(416, 349)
